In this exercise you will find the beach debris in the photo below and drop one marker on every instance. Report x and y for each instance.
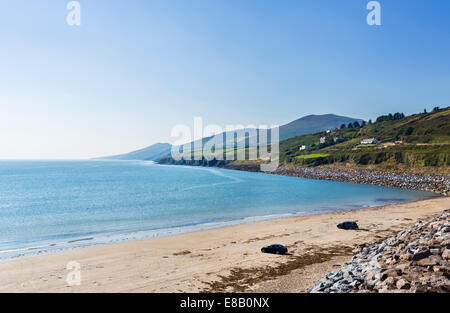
(414, 261)
(274, 249)
(348, 225)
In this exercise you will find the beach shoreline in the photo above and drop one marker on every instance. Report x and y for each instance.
(223, 259)
(36, 246)
(106, 239)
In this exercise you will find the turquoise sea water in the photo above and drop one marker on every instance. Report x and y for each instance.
(48, 206)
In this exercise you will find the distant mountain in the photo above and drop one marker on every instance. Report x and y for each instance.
(313, 124)
(304, 125)
(151, 153)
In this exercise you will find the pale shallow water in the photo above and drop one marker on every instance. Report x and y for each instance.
(48, 206)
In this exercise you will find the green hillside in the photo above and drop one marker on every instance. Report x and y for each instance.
(416, 141)
(420, 142)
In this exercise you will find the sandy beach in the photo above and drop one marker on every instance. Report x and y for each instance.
(225, 259)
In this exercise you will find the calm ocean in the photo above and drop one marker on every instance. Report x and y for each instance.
(48, 206)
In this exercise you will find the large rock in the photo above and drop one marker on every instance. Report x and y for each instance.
(390, 273)
(406, 257)
(403, 284)
(446, 254)
(420, 255)
(389, 283)
(430, 261)
(403, 267)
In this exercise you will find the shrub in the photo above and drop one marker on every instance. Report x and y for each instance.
(363, 159)
(381, 157)
(399, 158)
(409, 131)
(431, 160)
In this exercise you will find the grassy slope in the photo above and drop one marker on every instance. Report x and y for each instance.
(426, 140)
(426, 146)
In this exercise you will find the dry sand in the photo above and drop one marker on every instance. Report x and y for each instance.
(225, 259)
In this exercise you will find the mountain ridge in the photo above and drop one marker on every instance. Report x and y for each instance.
(308, 124)
(151, 153)
(320, 123)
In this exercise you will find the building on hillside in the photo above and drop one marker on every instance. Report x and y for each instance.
(302, 148)
(323, 139)
(369, 141)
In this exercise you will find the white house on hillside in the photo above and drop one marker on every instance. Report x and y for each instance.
(370, 141)
(323, 139)
(303, 148)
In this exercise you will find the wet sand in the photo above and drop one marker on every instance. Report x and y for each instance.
(225, 259)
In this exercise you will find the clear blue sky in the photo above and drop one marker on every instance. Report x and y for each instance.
(134, 69)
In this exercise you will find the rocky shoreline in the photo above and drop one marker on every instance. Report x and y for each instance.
(414, 261)
(429, 182)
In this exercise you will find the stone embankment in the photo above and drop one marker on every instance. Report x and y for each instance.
(428, 182)
(414, 261)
